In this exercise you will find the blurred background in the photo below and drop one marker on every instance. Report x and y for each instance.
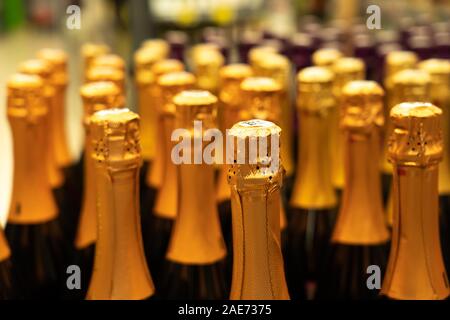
(28, 25)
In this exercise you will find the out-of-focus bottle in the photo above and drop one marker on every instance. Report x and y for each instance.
(206, 62)
(108, 60)
(160, 47)
(196, 253)
(120, 269)
(257, 54)
(166, 203)
(89, 51)
(416, 270)
(104, 73)
(313, 200)
(255, 182)
(177, 41)
(33, 230)
(345, 70)
(96, 96)
(326, 57)
(7, 283)
(360, 236)
(408, 85)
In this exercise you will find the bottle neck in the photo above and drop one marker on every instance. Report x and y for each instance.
(5, 252)
(312, 187)
(148, 119)
(416, 269)
(120, 269)
(361, 217)
(32, 200)
(258, 271)
(196, 237)
(63, 157)
(444, 166)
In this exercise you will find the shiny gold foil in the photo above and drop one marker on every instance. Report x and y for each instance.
(416, 270)
(206, 65)
(159, 46)
(96, 96)
(32, 200)
(231, 77)
(439, 71)
(258, 271)
(90, 50)
(196, 236)
(361, 216)
(258, 54)
(120, 268)
(326, 57)
(345, 69)
(59, 79)
(109, 60)
(5, 252)
(313, 188)
(44, 70)
(170, 84)
(103, 73)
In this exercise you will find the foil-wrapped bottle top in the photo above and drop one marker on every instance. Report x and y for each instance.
(42, 69)
(171, 84)
(411, 83)
(257, 54)
(90, 50)
(362, 105)
(206, 65)
(197, 49)
(416, 139)
(326, 57)
(96, 74)
(24, 96)
(196, 105)
(115, 138)
(347, 69)
(255, 156)
(315, 89)
(261, 98)
(397, 61)
(145, 57)
(231, 77)
(99, 96)
(165, 66)
(439, 71)
(159, 46)
(276, 66)
(109, 60)
(58, 59)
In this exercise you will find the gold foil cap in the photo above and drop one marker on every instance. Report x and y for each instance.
(411, 85)
(417, 136)
(439, 71)
(115, 138)
(109, 60)
(261, 98)
(257, 54)
(58, 59)
(256, 155)
(99, 96)
(275, 66)
(315, 89)
(171, 84)
(159, 46)
(145, 57)
(165, 66)
(347, 69)
(195, 105)
(42, 69)
(24, 96)
(206, 65)
(91, 50)
(144, 78)
(96, 74)
(362, 105)
(326, 57)
(397, 61)
(231, 77)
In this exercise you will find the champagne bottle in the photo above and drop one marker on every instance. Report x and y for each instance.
(258, 271)
(196, 252)
(206, 62)
(345, 70)
(231, 77)
(360, 237)
(313, 200)
(439, 71)
(166, 202)
(120, 269)
(59, 79)
(261, 96)
(115, 75)
(277, 67)
(33, 229)
(96, 96)
(89, 51)
(160, 47)
(109, 60)
(257, 54)
(326, 57)
(408, 85)
(415, 268)
(6, 280)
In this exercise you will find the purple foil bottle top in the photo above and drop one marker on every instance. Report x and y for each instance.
(301, 50)
(422, 45)
(177, 41)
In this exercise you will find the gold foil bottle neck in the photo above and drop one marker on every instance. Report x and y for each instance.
(115, 136)
(170, 85)
(347, 69)
(104, 73)
(24, 97)
(42, 69)
(159, 46)
(58, 59)
(195, 105)
(206, 66)
(109, 60)
(258, 53)
(416, 139)
(231, 77)
(275, 66)
(362, 105)
(166, 66)
(91, 50)
(326, 57)
(397, 61)
(439, 71)
(144, 58)
(261, 96)
(315, 89)
(99, 96)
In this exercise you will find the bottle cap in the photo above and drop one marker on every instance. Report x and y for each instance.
(275, 66)
(91, 50)
(42, 69)
(257, 54)
(314, 90)
(206, 65)
(326, 57)
(347, 69)
(109, 60)
(160, 47)
(397, 61)
(99, 96)
(231, 77)
(165, 66)
(196, 105)
(416, 139)
(24, 96)
(439, 71)
(145, 57)
(362, 105)
(58, 59)
(411, 85)
(115, 138)
(171, 84)
(117, 76)
(261, 98)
